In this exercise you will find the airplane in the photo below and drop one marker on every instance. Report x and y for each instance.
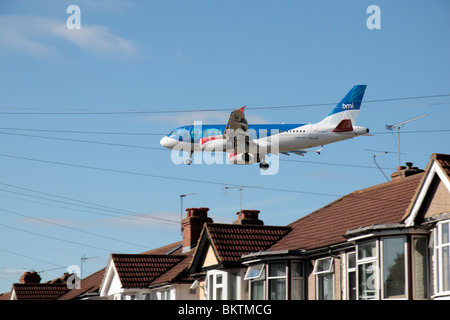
(249, 144)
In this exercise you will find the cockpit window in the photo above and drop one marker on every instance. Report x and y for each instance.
(180, 134)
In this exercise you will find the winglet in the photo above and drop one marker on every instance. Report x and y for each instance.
(242, 109)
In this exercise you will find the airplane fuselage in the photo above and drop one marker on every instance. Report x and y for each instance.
(283, 137)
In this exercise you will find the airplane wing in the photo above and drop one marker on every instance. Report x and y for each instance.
(237, 132)
(237, 121)
(235, 139)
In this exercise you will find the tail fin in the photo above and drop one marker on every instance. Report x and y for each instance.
(348, 108)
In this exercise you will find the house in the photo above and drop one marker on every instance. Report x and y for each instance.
(168, 273)
(217, 261)
(388, 241)
(31, 288)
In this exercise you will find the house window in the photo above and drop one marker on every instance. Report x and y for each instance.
(382, 264)
(270, 281)
(277, 281)
(323, 269)
(165, 294)
(256, 275)
(146, 296)
(351, 276)
(222, 285)
(232, 286)
(367, 261)
(442, 257)
(394, 268)
(420, 267)
(297, 280)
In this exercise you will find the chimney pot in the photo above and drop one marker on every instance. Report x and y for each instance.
(248, 217)
(30, 277)
(403, 172)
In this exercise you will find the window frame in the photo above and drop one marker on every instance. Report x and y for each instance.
(321, 275)
(351, 270)
(439, 247)
(383, 267)
(213, 286)
(372, 260)
(300, 294)
(425, 270)
(270, 279)
(264, 278)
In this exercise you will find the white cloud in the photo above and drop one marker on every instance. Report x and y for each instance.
(43, 36)
(213, 117)
(160, 219)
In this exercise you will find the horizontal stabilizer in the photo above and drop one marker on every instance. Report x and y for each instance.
(344, 126)
(300, 152)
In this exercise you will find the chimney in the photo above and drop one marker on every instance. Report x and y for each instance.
(403, 172)
(248, 217)
(192, 226)
(30, 277)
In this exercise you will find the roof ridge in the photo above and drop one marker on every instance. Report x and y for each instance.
(140, 255)
(243, 226)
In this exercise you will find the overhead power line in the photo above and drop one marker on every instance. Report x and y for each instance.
(28, 257)
(146, 111)
(71, 228)
(159, 134)
(55, 238)
(87, 132)
(124, 214)
(167, 150)
(191, 180)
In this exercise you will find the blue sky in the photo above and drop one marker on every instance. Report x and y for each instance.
(83, 173)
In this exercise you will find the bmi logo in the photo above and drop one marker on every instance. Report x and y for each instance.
(347, 106)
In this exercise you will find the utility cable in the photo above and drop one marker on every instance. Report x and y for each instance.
(143, 111)
(71, 228)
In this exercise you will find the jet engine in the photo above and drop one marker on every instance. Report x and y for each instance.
(243, 158)
(216, 143)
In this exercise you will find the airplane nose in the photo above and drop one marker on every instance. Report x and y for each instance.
(164, 142)
(167, 142)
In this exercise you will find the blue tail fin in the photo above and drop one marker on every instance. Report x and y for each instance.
(348, 108)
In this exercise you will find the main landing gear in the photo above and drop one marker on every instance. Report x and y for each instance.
(262, 163)
(264, 166)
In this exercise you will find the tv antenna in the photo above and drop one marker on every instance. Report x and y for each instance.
(182, 196)
(380, 154)
(398, 126)
(240, 188)
(83, 260)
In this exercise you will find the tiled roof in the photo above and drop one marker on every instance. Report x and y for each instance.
(231, 241)
(170, 249)
(381, 204)
(39, 291)
(178, 273)
(88, 285)
(5, 296)
(443, 160)
(139, 270)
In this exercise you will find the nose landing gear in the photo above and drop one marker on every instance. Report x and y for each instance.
(189, 160)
